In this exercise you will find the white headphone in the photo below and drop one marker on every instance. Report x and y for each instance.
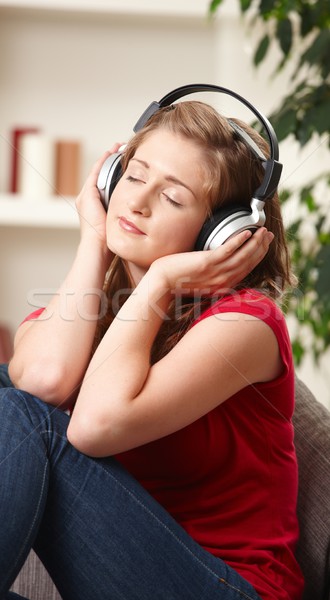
(224, 222)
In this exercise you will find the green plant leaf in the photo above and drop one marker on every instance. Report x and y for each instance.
(318, 50)
(322, 286)
(266, 7)
(214, 6)
(324, 238)
(304, 131)
(307, 20)
(321, 117)
(303, 112)
(284, 35)
(245, 5)
(294, 228)
(285, 123)
(261, 50)
(307, 198)
(298, 351)
(285, 195)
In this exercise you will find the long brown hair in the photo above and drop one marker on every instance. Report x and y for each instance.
(231, 175)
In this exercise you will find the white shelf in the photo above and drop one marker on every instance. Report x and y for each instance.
(53, 212)
(184, 8)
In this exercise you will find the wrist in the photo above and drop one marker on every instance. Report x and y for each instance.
(159, 281)
(149, 300)
(92, 248)
(169, 276)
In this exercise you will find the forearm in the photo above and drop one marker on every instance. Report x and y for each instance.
(127, 344)
(120, 366)
(51, 357)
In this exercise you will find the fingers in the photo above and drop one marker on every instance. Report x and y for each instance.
(252, 253)
(98, 164)
(237, 241)
(244, 252)
(116, 147)
(258, 246)
(94, 173)
(260, 241)
(244, 245)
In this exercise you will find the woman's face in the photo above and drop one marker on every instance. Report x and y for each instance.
(157, 207)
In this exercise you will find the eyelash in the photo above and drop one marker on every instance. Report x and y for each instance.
(172, 202)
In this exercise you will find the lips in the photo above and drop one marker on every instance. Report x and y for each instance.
(128, 226)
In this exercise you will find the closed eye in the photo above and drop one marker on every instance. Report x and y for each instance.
(171, 201)
(167, 198)
(132, 179)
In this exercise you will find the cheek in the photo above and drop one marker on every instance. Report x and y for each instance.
(114, 241)
(183, 234)
(112, 211)
(113, 202)
(109, 222)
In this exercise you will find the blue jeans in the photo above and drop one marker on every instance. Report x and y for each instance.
(98, 532)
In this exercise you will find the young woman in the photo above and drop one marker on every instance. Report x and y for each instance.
(175, 477)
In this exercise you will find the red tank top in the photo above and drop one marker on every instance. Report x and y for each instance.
(230, 478)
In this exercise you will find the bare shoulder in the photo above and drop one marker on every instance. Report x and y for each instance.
(224, 352)
(243, 340)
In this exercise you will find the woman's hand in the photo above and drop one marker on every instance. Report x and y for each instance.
(89, 206)
(214, 270)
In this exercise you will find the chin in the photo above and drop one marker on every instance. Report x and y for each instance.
(128, 255)
(117, 245)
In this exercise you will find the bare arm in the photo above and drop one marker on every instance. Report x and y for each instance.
(124, 402)
(52, 353)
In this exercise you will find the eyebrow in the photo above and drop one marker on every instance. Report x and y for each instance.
(170, 178)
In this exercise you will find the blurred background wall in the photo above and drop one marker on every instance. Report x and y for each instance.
(85, 70)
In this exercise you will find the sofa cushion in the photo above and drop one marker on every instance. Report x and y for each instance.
(312, 440)
(34, 582)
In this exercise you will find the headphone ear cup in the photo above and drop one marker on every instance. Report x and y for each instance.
(222, 225)
(109, 175)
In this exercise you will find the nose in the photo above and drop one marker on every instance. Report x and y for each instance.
(139, 201)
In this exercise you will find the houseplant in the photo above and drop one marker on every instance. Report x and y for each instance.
(301, 31)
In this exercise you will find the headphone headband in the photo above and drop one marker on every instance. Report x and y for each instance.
(272, 167)
(185, 90)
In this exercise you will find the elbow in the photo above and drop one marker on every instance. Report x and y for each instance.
(89, 436)
(82, 437)
(43, 380)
